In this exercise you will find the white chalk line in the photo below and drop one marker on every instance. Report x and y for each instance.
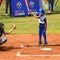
(39, 55)
(45, 49)
(42, 55)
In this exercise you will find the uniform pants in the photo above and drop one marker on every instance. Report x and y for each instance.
(3, 40)
(42, 32)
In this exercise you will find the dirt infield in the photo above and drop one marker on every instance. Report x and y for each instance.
(30, 50)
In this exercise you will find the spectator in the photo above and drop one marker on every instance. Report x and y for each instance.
(0, 2)
(50, 6)
(42, 3)
(7, 6)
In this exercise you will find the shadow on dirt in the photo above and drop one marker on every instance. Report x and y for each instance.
(4, 48)
(43, 45)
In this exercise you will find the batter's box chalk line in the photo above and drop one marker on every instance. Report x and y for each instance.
(19, 55)
(46, 49)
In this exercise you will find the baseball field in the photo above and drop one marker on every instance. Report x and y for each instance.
(22, 43)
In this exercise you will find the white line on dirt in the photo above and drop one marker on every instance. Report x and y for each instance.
(46, 49)
(20, 55)
(38, 55)
(22, 46)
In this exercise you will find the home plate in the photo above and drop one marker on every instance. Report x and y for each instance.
(22, 46)
(46, 49)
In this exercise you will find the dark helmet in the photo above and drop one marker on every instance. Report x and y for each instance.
(41, 11)
(1, 24)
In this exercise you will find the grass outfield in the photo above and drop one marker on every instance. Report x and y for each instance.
(29, 25)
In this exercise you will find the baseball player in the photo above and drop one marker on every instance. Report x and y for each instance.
(42, 25)
(3, 39)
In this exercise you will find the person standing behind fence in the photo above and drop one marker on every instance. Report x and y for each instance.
(7, 6)
(42, 3)
(0, 2)
(50, 6)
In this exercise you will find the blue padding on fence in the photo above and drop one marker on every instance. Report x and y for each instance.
(33, 5)
(18, 8)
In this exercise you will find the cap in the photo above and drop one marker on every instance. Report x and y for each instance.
(41, 11)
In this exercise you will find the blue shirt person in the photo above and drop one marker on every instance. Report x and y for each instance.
(42, 26)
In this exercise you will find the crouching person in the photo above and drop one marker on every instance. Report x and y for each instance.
(3, 39)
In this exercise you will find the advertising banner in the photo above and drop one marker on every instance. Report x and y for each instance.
(18, 8)
(33, 5)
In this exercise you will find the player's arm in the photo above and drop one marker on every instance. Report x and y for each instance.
(36, 16)
(45, 26)
(12, 29)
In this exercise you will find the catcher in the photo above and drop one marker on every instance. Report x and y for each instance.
(42, 25)
(3, 39)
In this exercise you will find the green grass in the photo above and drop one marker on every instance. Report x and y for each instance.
(29, 25)
(24, 25)
(53, 24)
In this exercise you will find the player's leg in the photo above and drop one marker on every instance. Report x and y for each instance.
(49, 6)
(52, 5)
(40, 35)
(3, 40)
(10, 7)
(6, 7)
(44, 35)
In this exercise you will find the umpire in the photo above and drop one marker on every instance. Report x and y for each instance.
(8, 5)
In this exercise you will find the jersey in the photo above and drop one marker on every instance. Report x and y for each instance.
(42, 19)
(2, 32)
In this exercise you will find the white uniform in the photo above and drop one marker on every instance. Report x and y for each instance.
(41, 20)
